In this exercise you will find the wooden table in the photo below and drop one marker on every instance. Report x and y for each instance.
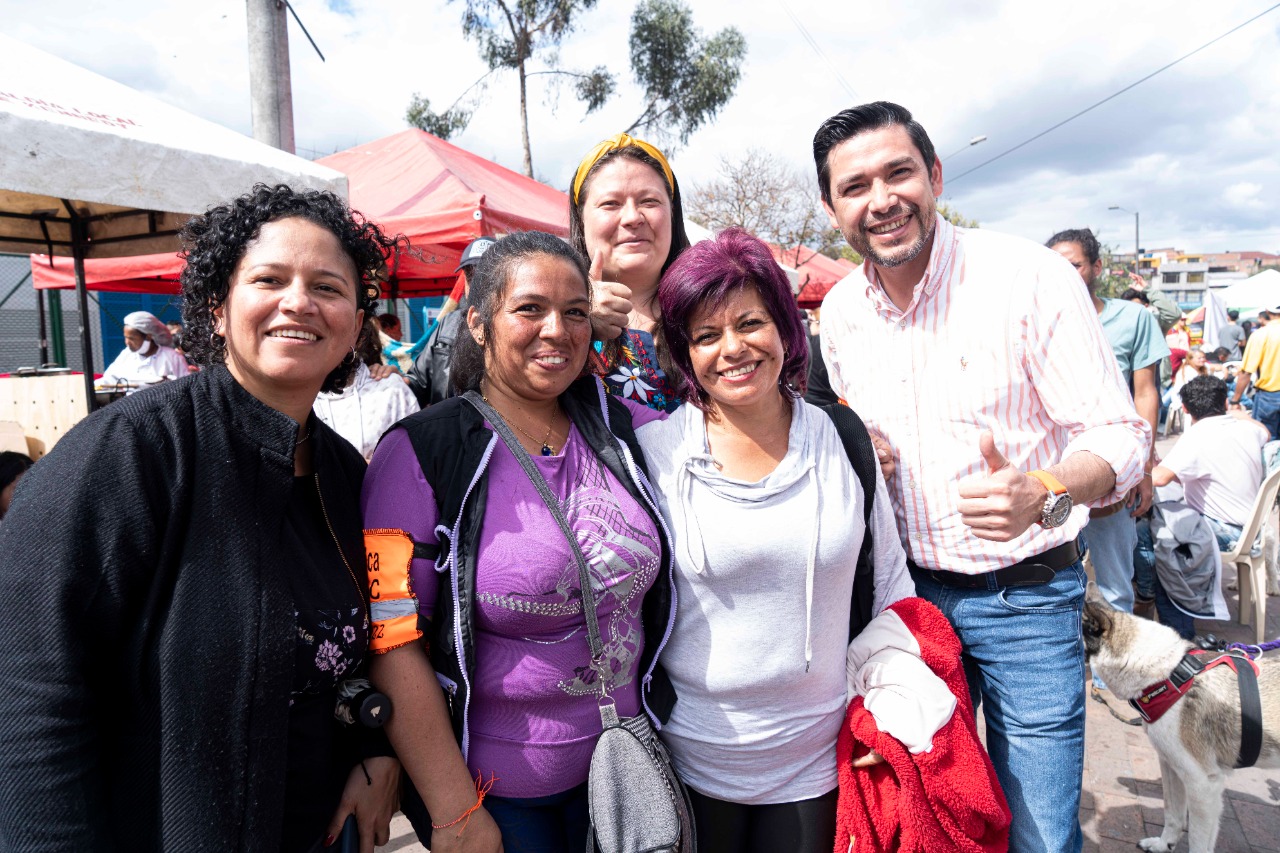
(46, 406)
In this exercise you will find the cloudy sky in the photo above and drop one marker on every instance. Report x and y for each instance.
(1193, 150)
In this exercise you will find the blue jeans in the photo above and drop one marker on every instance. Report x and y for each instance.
(1111, 541)
(1229, 534)
(1025, 662)
(1266, 411)
(1171, 616)
(542, 824)
(1144, 560)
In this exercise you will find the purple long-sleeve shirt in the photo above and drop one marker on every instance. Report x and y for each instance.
(534, 717)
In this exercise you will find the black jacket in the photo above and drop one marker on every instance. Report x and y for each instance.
(453, 445)
(451, 442)
(429, 375)
(147, 652)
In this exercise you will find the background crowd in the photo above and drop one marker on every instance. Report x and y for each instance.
(214, 566)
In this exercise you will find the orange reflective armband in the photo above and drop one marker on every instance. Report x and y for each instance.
(393, 608)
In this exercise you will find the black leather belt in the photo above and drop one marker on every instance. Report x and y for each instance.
(1034, 570)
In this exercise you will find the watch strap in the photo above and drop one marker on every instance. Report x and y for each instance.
(1050, 482)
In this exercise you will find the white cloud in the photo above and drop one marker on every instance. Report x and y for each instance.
(1183, 148)
(1244, 194)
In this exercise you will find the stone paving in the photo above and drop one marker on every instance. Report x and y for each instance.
(1122, 800)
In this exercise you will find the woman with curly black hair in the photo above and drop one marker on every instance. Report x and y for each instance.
(180, 574)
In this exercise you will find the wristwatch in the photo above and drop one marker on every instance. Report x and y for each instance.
(1057, 504)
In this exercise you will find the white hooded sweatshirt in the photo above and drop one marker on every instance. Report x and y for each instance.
(366, 408)
(764, 578)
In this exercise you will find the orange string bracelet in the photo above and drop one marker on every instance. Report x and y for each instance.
(482, 788)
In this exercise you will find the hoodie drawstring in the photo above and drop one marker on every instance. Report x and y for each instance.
(695, 545)
(811, 560)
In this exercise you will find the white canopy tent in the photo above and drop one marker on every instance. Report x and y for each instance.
(1262, 291)
(90, 168)
(1215, 319)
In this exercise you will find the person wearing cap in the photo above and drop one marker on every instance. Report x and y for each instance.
(1261, 369)
(626, 218)
(147, 357)
(429, 376)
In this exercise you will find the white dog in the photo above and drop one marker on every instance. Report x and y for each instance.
(1198, 738)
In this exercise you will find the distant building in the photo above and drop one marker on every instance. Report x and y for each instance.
(1185, 276)
(1248, 263)
(1183, 281)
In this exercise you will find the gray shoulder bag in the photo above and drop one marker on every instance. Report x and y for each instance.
(636, 802)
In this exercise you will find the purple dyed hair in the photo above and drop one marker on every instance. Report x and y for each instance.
(706, 274)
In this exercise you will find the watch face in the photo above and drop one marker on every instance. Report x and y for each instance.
(1056, 515)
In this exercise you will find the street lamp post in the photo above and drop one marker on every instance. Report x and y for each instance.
(1136, 242)
(972, 142)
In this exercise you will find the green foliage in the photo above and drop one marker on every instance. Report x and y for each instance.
(508, 34)
(1112, 281)
(686, 79)
(444, 125)
(594, 87)
(955, 217)
(842, 250)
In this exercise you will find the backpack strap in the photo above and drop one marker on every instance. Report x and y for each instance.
(862, 456)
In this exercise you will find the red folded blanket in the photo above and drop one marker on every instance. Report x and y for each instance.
(947, 799)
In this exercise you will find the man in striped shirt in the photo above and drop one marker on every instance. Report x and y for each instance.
(1007, 418)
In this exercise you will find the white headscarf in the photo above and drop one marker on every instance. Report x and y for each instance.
(149, 324)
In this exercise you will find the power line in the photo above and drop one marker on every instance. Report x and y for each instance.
(813, 44)
(1113, 95)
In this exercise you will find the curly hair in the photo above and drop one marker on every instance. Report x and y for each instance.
(216, 241)
(1204, 397)
(490, 278)
(705, 277)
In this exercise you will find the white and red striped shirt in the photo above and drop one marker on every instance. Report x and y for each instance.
(999, 335)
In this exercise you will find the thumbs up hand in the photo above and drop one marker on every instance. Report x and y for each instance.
(1003, 503)
(610, 303)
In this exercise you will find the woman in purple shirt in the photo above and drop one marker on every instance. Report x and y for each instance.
(477, 604)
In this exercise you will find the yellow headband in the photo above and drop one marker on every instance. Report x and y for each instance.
(613, 143)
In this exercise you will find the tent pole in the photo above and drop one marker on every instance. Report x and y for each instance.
(57, 334)
(79, 242)
(44, 337)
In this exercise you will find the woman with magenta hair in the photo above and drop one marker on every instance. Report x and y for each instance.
(766, 518)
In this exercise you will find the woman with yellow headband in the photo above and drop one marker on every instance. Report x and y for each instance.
(625, 217)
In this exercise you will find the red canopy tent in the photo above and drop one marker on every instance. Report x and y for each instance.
(818, 273)
(436, 194)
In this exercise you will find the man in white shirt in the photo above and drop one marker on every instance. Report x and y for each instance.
(1218, 460)
(147, 357)
(1007, 417)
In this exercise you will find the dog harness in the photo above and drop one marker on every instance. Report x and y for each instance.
(1157, 699)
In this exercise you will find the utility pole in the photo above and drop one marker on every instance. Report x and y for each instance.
(270, 88)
